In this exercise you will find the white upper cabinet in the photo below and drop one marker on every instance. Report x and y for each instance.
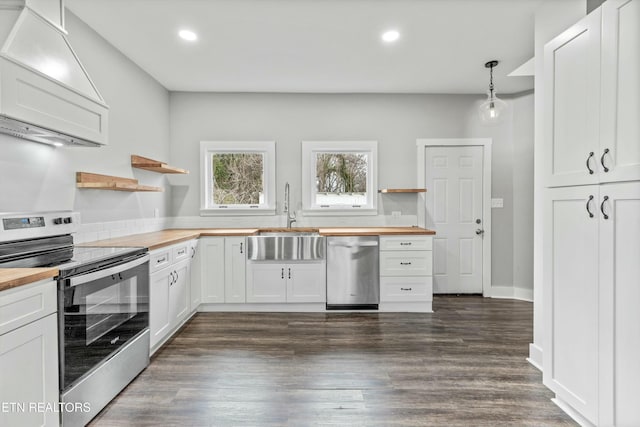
(572, 97)
(619, 154)
(592, 84)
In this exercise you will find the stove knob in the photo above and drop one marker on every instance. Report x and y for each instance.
(68, 220)
(57, 221)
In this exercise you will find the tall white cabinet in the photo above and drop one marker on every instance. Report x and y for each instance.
(592, 216)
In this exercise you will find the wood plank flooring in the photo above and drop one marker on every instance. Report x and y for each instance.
(463, 365)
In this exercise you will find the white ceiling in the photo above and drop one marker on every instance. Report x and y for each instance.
(321, 45)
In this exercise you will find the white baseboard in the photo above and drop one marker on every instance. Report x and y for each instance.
(512, 293)
(535, 356)
(575, 415)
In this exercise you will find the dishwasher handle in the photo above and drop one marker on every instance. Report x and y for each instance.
(355, 245)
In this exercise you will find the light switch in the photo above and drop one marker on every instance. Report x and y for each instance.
(396, 214)
(497, 203)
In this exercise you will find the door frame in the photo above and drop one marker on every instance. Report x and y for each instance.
(485, 143)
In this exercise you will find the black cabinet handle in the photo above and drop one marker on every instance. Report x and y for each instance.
(172, 279)
(589, 210)
(193, 252)
(405, 289)
(405, 263)
(405, 243)
(591, 154)
(240, 247)
(282, 275)
(177, 277)
(602, 207)
(606, 151)
(289, 273)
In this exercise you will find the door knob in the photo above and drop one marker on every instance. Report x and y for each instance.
(479, 231)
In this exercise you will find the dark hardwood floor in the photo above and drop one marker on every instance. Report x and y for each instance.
(463, 365)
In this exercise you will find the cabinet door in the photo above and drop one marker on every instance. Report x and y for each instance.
(306, 282)
(159, 317)
(620, 300)
(266, 282)
(178, 293)
(620, 108)
(572, 100)
(212, 267)
(29, 372)
(234, 269)
(196, 290)
(571, 296)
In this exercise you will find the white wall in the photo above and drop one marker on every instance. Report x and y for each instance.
(551, 18)
(395, 121)
(38, 177)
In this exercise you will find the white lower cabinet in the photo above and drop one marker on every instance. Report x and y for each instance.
(406, 289)
(591, 300)
(306, 282)
(29, 355)
(300, 282)
(169, 291)
(195, 293)
(266, 282)
(234, 269)
(212, 267)
(406, 273)
(223, 269)
(159, 319)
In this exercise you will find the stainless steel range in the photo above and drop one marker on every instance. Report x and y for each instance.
(103, 306)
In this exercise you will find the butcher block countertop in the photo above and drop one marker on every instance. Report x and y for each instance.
(373, 231)
(159, 239)
(12, 277)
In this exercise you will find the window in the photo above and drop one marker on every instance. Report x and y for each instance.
(339, 177)
(238, 177)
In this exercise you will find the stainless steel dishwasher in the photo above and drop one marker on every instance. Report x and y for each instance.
(353, 279)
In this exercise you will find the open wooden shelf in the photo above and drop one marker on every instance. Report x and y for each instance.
(114, 183)
(402, 190)
(145, 163)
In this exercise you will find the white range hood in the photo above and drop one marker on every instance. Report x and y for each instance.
(46, 94)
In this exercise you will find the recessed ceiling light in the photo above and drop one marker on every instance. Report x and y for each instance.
(390, 36)
(58, 144)
(188, 35)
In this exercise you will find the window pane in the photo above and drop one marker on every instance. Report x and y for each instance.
(341, 179)
(238, 178)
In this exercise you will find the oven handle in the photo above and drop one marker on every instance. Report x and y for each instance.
(85, 278)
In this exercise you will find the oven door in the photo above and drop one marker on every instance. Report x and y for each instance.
(99, 312)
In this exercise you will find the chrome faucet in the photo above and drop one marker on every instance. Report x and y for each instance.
(291, 218)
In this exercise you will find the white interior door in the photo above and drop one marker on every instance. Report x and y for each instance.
(453, 176)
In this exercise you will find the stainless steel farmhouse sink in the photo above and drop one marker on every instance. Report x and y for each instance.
(286, 246)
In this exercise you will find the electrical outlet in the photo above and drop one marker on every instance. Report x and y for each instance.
(497, 203)
(396, 214)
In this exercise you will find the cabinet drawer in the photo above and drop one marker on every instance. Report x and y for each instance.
(24, 304)
(406, 243)
(160, 259)
(406, 289)
(181, 252)
(405, 263)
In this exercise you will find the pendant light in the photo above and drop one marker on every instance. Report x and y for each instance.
(493, 109)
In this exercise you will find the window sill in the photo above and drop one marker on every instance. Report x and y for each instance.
(237, 212)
